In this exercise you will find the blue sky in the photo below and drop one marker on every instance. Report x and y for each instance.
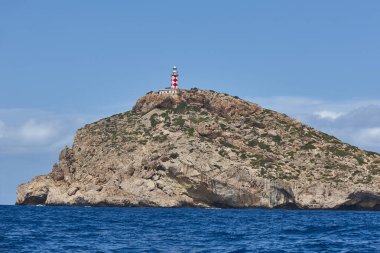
(67, 63)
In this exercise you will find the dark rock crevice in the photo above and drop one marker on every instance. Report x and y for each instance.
(361, 201)
(35, 200)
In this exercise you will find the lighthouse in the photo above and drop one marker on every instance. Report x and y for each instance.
(173, 89)
(174, 78)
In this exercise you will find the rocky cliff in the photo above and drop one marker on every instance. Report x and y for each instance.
(206, 149)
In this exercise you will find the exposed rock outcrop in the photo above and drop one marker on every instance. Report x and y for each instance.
(206, 149)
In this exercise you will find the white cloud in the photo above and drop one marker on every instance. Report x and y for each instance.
(25, 131)
(2, 129)
(328, 114)
(35, 131)
(287, 104)
(290, 101)
(304, 105)
(369, 136)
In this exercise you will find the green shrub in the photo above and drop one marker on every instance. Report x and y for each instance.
(339, 152)
(174, 155)
(226, 144)
(160, 138)
(360, 160)
(166, 116)
(366, 180)
(143, 142)
(277, 139)
(375, 171)
(255, 143)
(309, 134)
(261, 160)
(153, 120)
(308, 146)
(371, 153)
(198, 120)
(179, 121)
(329, 138)
(190, 131)
(329, 166)
(356, 172)
(222, 152)
(181, 108)
(223, 126)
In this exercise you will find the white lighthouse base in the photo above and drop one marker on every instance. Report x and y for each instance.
(168, 91)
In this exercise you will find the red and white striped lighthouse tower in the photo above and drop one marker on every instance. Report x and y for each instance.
(175, 78)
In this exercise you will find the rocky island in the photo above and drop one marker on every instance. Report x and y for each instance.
(199, 148)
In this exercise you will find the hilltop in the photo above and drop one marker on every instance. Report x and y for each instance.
(206, 149)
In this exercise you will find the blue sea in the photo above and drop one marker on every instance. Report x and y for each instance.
(81, 229)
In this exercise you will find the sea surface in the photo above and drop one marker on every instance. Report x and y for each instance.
(81, 229)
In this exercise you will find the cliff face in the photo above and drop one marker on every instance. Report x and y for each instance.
(206, 149)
